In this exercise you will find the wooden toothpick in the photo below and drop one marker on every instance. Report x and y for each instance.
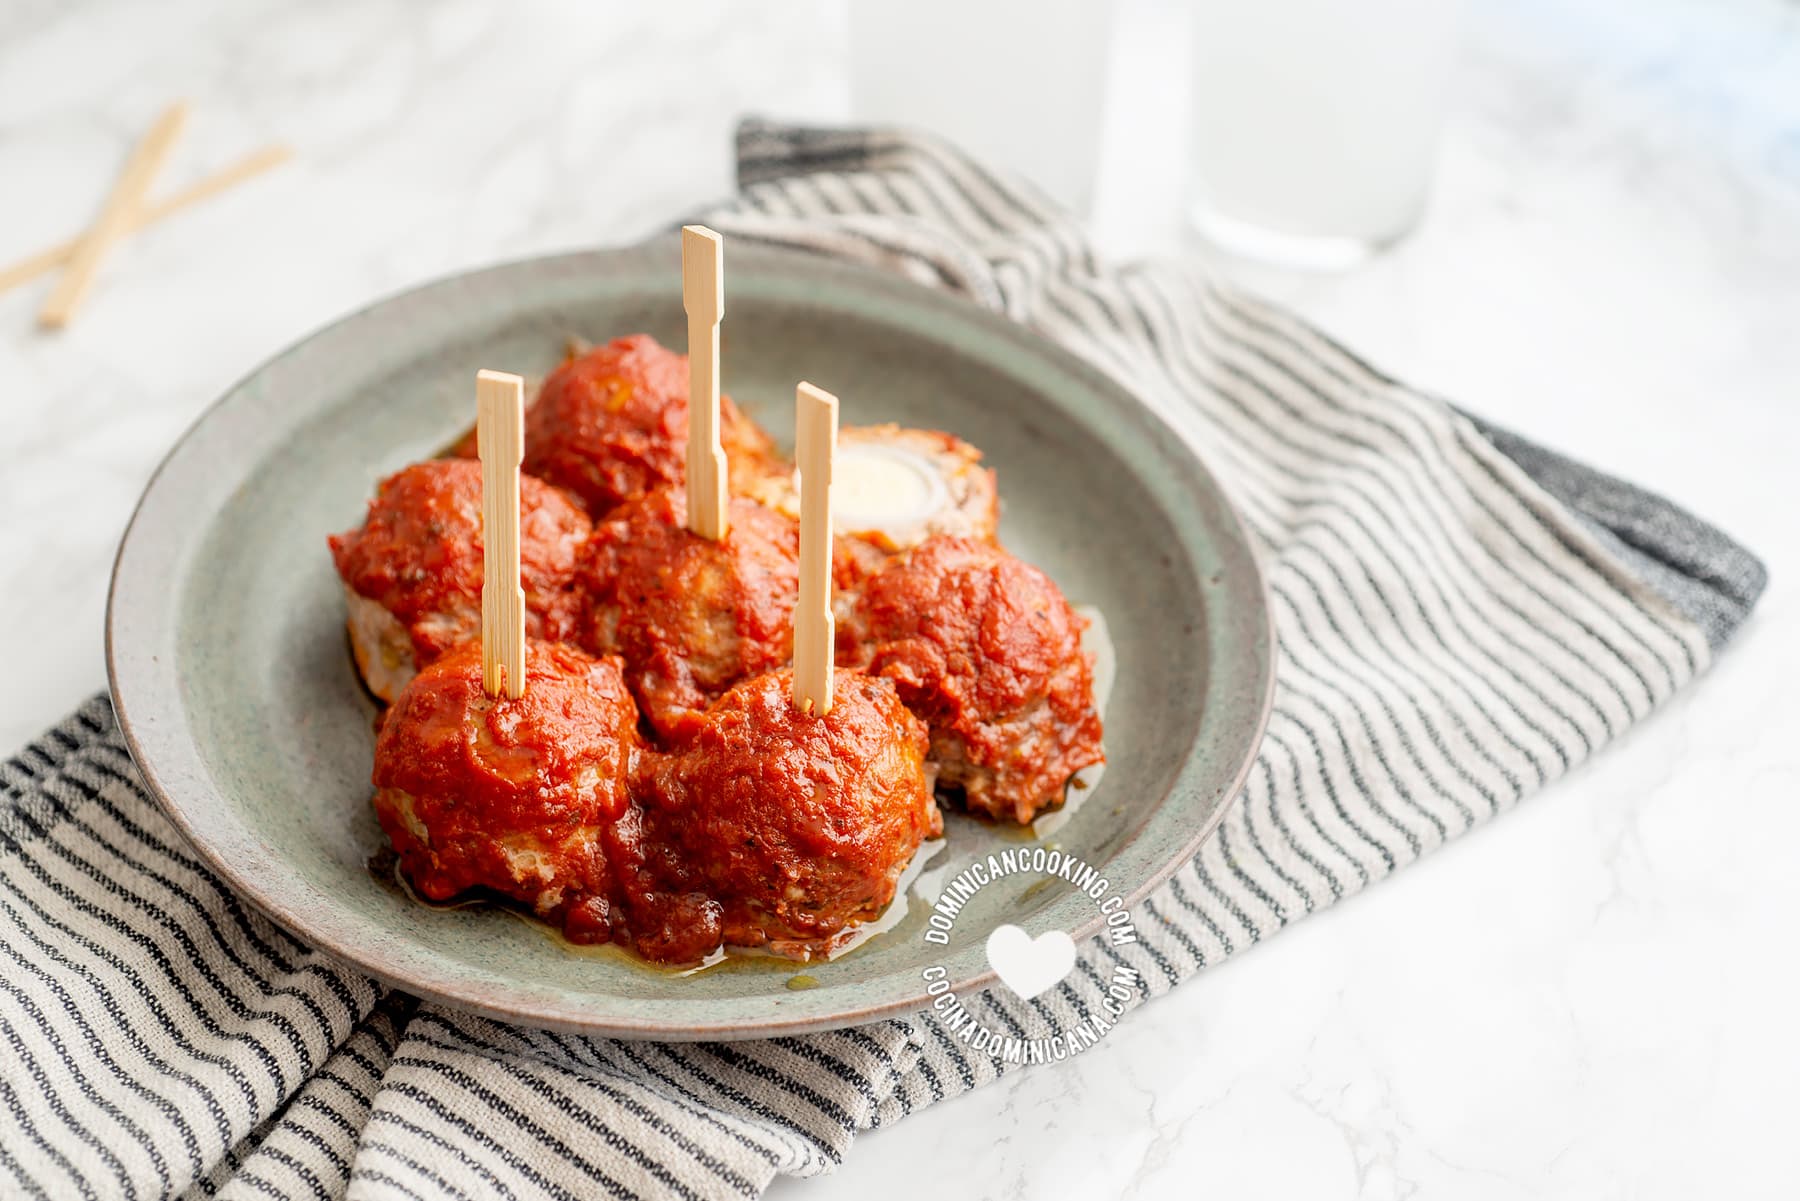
(115, 218)
(29, 269)
(703, 295)
(500, 435)
(815, 631)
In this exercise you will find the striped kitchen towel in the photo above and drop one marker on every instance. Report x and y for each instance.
(1463, 617)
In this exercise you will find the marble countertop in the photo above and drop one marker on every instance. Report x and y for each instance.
(1590, 998)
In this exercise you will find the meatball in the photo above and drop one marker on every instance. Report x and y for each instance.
(412, 571)
(691, 616)
(895, 488)
(987, 651)
(518, 796)
(797, 826)
(612, 424)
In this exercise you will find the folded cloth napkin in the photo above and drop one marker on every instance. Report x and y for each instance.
(1462, 618)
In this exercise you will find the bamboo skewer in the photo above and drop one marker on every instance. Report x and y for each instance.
(703, 296)
(126, 198)
(500, 436)
(144, 216)
(815, 630)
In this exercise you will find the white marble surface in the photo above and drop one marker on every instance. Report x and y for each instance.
(1590, 998)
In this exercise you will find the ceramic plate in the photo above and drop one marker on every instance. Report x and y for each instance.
(234, 685)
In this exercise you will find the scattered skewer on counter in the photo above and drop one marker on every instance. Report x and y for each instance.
(631, 701)
(126, 210)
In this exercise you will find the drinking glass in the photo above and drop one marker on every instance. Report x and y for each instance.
(1019, 84)
(1315, 123)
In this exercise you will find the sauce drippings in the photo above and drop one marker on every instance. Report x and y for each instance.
(1097, 641)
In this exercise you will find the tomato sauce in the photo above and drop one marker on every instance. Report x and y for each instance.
(418, 554)
(987, 651)
(691, 616)
(612, 424)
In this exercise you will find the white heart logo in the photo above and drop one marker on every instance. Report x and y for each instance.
(1029, 966)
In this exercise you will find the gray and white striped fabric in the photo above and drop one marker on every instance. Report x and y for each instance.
(1462, 619)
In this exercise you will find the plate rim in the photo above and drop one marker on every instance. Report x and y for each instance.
(137, 730)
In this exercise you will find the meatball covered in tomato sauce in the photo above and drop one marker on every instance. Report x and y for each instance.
(611, 424)
(987, 651)
(896, 487)
(691, 616)
(797, 826)
(520, 796)
(412, 571)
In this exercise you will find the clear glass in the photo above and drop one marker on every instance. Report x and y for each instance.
(1315, 123)
(1019, 84)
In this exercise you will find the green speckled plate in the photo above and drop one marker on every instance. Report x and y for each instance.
(235, 689)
